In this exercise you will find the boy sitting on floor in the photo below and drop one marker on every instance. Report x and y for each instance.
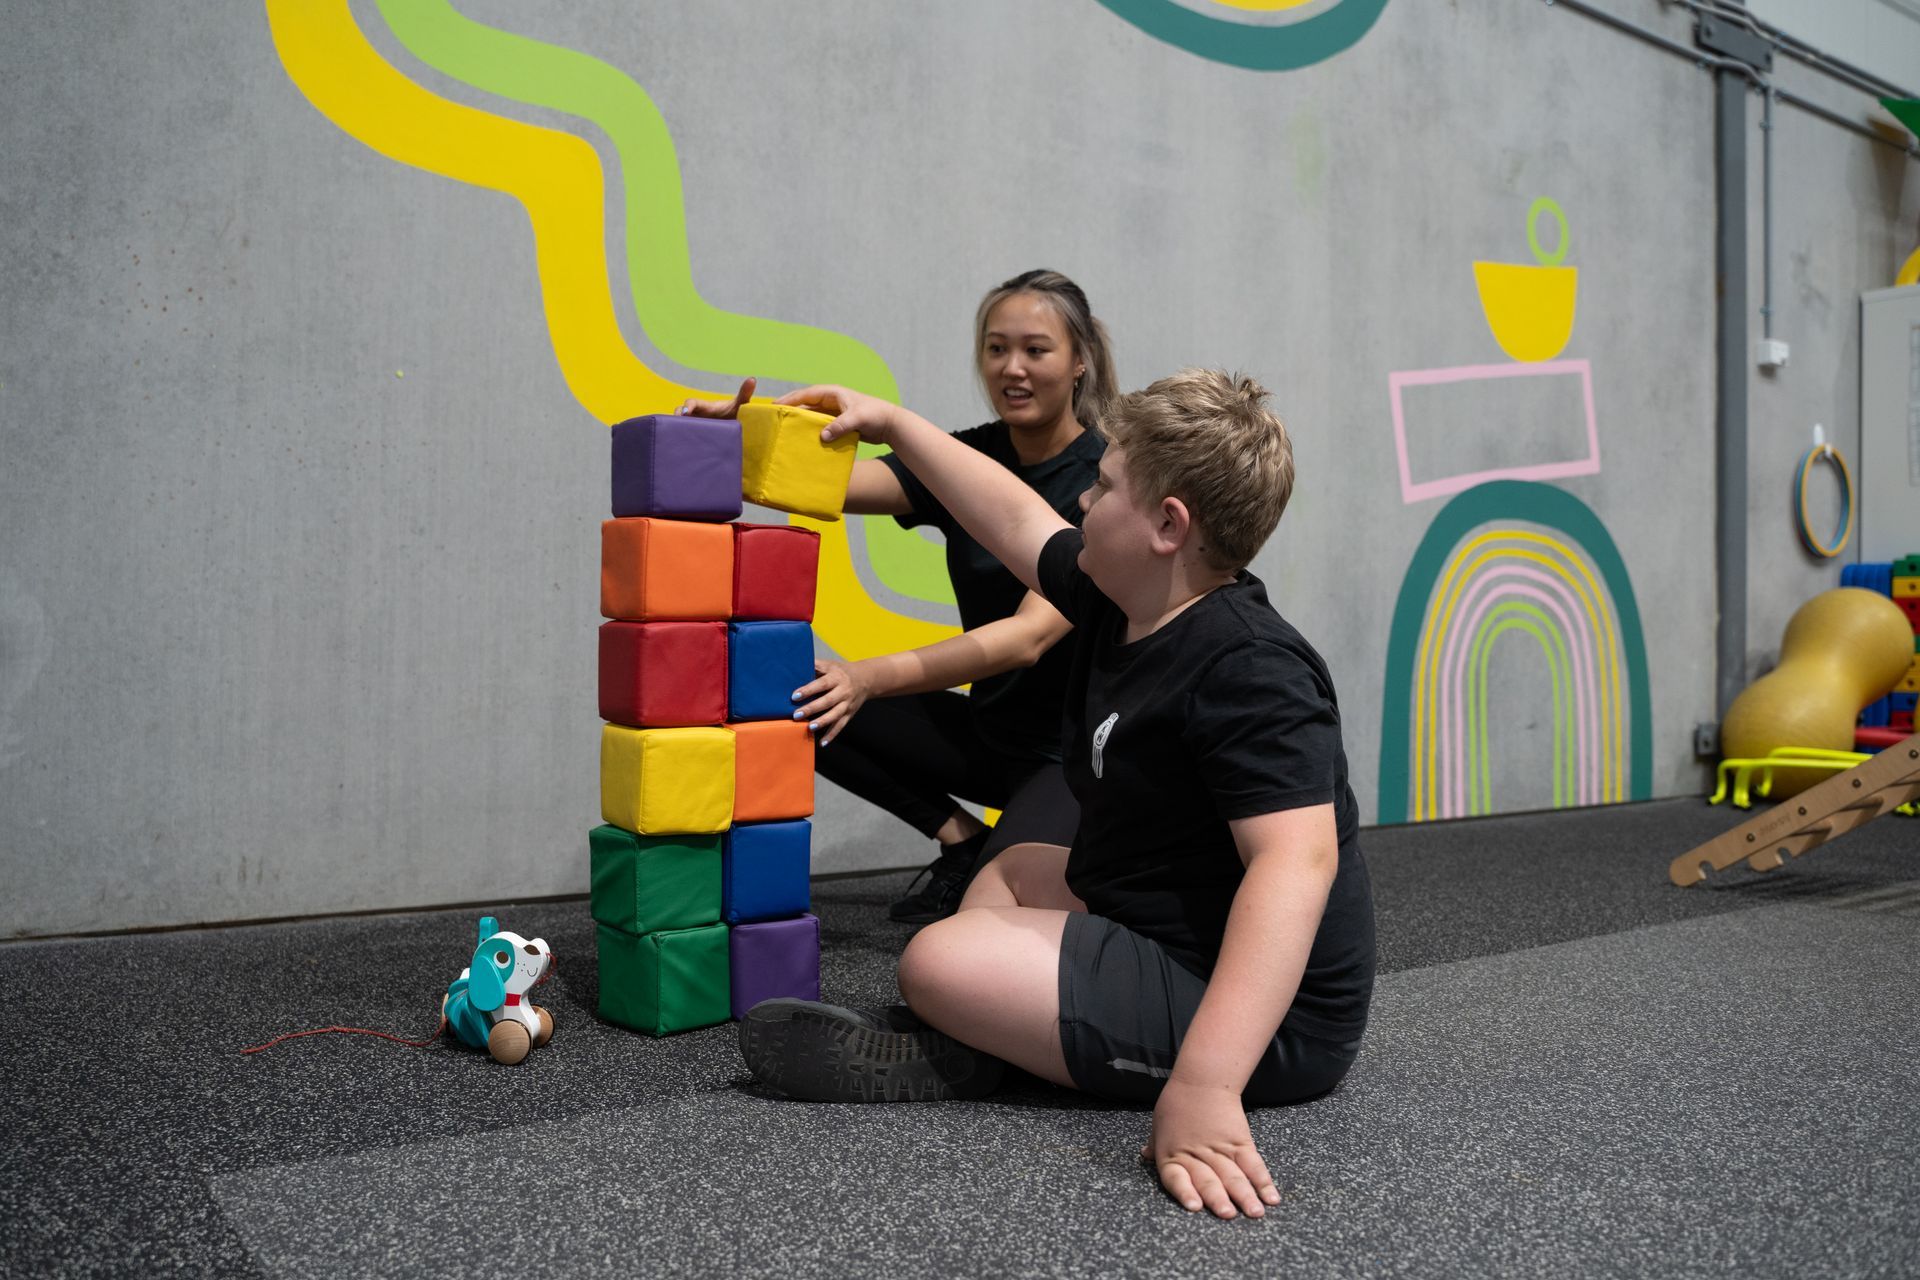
(1207, 944)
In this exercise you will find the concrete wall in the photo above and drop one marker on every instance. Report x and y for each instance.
(302, 447)
(1843, 222)
(1880, 36)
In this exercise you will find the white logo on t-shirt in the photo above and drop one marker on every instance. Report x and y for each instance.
(1100, 737)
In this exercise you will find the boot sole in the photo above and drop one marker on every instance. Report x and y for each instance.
(812, 1052)
(901, 914)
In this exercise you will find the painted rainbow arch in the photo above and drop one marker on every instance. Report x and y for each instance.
(1290, 47)
(1513, 557)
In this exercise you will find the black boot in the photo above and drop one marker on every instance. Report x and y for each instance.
(947, 879)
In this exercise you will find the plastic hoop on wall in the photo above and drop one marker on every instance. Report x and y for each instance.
(1807, 538)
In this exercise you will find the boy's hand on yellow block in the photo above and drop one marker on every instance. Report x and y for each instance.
(718, 408)
(831, 701)
(1204, 1152)
(870, 416)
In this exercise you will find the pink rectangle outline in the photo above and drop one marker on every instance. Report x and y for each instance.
(1411, 492)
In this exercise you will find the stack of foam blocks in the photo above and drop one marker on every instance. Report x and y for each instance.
(1901, 580)
(700, 875)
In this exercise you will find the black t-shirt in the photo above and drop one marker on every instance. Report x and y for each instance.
(1019, 710)
(1225, 712)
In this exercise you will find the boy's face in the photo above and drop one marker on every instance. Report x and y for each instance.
(1118, 528)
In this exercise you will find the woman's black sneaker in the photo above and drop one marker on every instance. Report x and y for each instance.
(825, 1053)
(947, 879)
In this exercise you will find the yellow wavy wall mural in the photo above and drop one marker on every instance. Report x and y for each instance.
(559, 180)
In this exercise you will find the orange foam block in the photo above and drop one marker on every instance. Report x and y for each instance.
(654, 569)
(772, 770)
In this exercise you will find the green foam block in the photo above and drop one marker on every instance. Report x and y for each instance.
(648, 884)
(659, 983)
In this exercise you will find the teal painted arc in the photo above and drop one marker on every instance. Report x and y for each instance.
(1256, 48)
(1550, 508)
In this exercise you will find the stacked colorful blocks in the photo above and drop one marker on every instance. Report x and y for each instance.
(700, 877)
(1899, 579)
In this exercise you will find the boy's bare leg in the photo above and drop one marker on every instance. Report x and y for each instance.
(989, 975)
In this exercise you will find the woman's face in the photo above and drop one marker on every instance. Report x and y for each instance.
(1028, 362)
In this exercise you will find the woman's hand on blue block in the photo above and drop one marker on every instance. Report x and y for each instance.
(829, 702)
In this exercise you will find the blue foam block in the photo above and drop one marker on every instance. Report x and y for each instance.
(1874, 716)
(763, 871)
(766, 662)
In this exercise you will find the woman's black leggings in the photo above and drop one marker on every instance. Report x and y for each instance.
(917, 754)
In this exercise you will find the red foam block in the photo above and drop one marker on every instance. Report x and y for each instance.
(776, 568)
(663, 675)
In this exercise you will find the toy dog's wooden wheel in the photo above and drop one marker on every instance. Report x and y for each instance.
(546, 1027)
(508, 1042)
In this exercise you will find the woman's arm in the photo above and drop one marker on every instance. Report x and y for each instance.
(1014, 641)
(874, 490)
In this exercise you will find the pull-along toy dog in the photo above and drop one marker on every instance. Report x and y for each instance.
(486, 1007)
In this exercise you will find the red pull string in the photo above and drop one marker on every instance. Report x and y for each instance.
(357, 1031)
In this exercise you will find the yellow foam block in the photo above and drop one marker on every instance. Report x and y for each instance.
(1905, 588)
(661, 782)
(786, 467)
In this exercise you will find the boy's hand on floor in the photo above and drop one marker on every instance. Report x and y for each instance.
(1204, 1152)
(719, 408)
(852, 411)
(829, 702)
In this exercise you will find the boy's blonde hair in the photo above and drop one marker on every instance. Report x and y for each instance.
(1207, 438)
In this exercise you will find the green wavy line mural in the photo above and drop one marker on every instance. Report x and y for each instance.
(1256, 48)
(678, 321)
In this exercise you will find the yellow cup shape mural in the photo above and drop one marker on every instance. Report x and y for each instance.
(1530, 309)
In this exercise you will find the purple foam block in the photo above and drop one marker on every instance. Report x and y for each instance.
(772, 959)
(679, 468)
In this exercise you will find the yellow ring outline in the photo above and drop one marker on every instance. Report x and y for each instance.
(1816, 454)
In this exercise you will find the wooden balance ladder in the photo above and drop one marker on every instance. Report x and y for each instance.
(1815, 816)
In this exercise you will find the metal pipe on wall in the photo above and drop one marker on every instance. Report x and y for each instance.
(1712, 62)
(1730, 426)
(1766, 212)
(1798, 49)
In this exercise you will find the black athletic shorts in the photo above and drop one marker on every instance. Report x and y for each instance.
(1125, 1006)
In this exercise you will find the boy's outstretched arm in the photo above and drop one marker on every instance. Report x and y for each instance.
(990, 502)
(1201, 1144)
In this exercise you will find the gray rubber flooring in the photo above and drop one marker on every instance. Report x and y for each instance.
(1573, 1069)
